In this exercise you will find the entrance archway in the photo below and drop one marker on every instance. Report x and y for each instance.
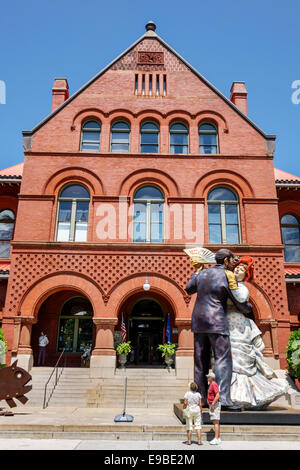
(67, 319)
(145, 318)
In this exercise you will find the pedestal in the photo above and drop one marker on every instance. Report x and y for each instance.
(103, 358)
(185, 351)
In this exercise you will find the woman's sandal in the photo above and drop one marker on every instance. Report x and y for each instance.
(200, 443)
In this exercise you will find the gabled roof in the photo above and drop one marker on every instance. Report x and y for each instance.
(282, 177)
(150, 33)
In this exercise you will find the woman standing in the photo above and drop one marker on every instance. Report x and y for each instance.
(252, 383)
(193, 412)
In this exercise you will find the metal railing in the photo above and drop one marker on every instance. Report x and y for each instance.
(57, 377)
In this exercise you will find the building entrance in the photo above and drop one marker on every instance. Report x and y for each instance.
(146, 330)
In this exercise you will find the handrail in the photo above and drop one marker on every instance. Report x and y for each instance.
(55, 368)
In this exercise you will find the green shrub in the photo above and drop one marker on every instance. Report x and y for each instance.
(167, 349)
(293, 354)
(124, 348)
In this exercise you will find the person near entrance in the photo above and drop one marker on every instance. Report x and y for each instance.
(43, 342)
(209, 323)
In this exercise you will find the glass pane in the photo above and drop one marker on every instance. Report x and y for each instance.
(121, 125)
(120, 138)
(208, 149)
(207, 127)
(65, 211)
(82, 211)
(231, 213)
(4, 249)
(7, 215)
(92, 125)
(214, 213)
(148, 192)
(63, 232)
(208, 139)
(178, 127)
(119, 147)
(85, 334)
(149, 148)
(149, 126)
(289, 219)
(157, 213)
(92, 135)
(6, 231)
(66, 334)
(292, 254)
(77, 306)
(81, 231)
(215, 235)
(149, 138)
(290, 235)
(75, 191)
(181, 139)
(221, 194)
(156, 233)
(139, 212)
(232, 234)
(139, 232)
(179, 149)
(92, 147)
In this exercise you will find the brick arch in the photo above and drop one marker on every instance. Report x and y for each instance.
(262, 305)
(43, 288)
(289, 207)
(214, 117)
(161, 285)
(222, 177)
(148, 176)
(89, 113)
(150, 114)
(73, 175)
(121, 115)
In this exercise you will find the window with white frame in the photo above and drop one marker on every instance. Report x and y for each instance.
(179, 138)
(73, 213)
(148, 215)
(223, 216)
(120, 137)
(90, 136)
(149, 137)
(208, 138)
(290, 230)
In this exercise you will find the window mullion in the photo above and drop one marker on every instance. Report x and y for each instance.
(148, 222)
(73, 221)
(223, 223)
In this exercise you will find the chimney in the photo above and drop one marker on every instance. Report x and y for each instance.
(238, 96)
(60, 92)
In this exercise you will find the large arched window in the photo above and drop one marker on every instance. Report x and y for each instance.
(75, 325)
(148, 215)
(223, 216)
(179, 138)
(149, 137)
(208, 138)
(73, 213)
(120, 137)
(290, 229)
(90, 136)
(7, 223)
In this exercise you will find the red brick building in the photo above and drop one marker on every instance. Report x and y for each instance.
(145, 159)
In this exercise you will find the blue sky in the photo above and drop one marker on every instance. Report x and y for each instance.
(257, 41)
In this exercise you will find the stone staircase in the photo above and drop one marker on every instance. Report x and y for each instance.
(146, 388)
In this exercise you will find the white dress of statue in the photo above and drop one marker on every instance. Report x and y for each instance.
(252, 385)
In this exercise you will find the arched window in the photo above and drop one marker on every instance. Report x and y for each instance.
(73, 213)
(290, 229)
(7, 223)
(149, 137)
(148, 215)
(120, 137)
(179, 138)
(90, 136)
(208, 138)
(223, 216)
(75, 325)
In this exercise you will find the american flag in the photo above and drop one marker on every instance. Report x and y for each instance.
(123, 329)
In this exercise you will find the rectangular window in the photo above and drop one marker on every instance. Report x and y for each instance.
(64, 221)
(139, 222)
(165, 85)
(214, 222)
(157, 222)
(150, 85)
(143, 84)
(136, 84)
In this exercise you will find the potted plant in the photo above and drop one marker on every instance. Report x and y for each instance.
(293, 356)
(3, 348)
(168, 351)
(122, 350)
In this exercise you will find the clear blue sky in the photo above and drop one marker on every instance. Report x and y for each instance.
(257, 41)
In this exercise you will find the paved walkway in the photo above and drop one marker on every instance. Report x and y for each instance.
(68, 444)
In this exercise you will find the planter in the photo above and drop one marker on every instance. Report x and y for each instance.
(122, 360)
(169, 360)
